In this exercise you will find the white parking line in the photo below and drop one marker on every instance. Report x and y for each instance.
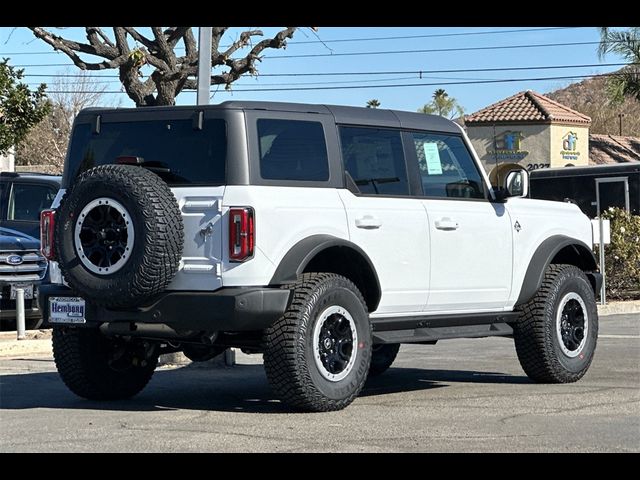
(619, 336)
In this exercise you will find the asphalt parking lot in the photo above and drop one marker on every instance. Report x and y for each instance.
(459, 395)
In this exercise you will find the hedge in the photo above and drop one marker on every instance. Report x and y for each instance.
(622, 256)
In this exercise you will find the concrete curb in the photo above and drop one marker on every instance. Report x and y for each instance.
(615, 308)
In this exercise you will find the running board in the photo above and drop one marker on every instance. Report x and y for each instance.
(441, 327)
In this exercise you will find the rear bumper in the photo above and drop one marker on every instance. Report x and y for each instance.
(228, 309)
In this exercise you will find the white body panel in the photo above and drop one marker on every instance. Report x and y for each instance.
(394, 233)
(539, 220)
(283, 217)
(471, 255)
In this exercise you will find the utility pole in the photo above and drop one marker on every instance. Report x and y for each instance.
(620, 116)
(204, 65)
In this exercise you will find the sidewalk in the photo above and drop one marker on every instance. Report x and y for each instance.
(38, 342)
(613, 308)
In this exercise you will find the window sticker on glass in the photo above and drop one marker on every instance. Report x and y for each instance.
(432, 156)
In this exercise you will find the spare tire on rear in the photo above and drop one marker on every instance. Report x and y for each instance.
(119, 235)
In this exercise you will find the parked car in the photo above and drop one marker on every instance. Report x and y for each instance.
(22, 197)
(321, 236)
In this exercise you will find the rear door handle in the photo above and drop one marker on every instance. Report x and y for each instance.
(368, 222)
(446, 224)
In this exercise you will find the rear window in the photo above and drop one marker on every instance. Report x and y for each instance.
(173, 149)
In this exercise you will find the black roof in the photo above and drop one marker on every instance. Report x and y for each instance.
(342, 114)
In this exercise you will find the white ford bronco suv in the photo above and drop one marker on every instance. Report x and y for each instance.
(321, 236)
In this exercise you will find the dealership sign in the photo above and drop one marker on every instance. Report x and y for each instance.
(508, 146)
(570, 146)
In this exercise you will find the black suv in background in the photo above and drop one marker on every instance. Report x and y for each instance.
(22, 197)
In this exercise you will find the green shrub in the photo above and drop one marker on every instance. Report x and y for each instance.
(622, 256)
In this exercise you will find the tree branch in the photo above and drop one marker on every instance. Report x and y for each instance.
(171, 73)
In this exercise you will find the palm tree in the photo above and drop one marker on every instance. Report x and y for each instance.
(625, 43)
(373, 103)
(442, 104)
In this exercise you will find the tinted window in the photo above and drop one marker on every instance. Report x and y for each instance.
(26, 201)
(375, 160)
(446, 167)
(180, 154)
(292, 150)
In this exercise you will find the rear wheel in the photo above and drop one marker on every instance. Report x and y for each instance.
(382, 357)
(317, 354)
(102, 368)
(557, 334)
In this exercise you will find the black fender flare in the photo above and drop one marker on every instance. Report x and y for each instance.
(298, 257)
(544, 255)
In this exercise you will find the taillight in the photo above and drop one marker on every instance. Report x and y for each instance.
(241, 234)
(47, 225)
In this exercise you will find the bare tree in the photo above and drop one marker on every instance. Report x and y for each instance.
(46, 144)
(171, 73)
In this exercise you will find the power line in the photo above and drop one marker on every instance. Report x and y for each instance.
(435, 35)
(353, 87)
(337, 82)
(399, 72)
(367, 39)
(434, 50)
(388, 52)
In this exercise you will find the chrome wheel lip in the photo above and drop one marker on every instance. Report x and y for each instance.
(322, 318)
(128, 248)
(561, 307)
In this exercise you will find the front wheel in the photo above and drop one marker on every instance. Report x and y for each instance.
(97, 367)
(317, 354)
(557, 333)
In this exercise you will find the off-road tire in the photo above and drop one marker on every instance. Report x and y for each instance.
(157, 248)
(288, 345)
(536, 340)
(82, 359)
(382, 357)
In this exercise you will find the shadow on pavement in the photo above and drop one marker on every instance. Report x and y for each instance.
(243, 388)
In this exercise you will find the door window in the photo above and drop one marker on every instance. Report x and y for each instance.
(375, 160)
(447, 169)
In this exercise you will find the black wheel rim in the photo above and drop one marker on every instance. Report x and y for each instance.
(335, 340)
(104, 236)
(572, 327)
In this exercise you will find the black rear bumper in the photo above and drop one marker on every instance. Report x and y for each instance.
(232, 309)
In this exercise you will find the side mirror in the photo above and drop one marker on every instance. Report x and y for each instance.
(516, 184)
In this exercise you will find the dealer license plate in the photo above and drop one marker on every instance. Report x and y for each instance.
(66, 310)
(27, 287)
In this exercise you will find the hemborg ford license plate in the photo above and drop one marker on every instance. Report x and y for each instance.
(66, 310)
